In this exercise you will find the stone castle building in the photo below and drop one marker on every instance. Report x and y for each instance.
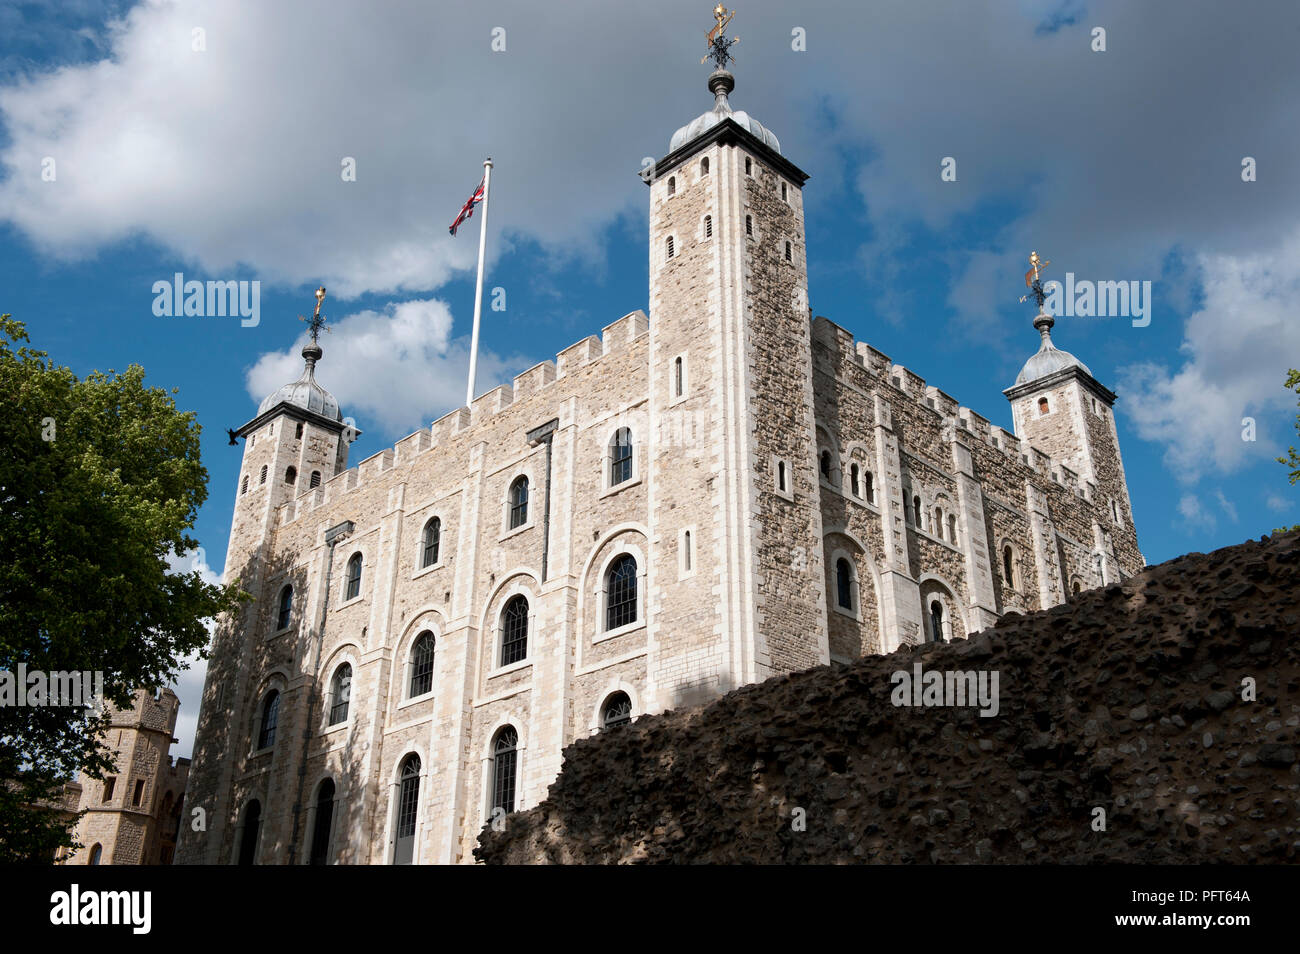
(132, 816)
(690, 502)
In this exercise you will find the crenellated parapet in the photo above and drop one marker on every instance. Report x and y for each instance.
(463, 423)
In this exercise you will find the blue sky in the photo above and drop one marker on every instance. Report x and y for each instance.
(218, 154)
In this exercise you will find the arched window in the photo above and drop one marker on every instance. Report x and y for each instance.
(708, 226)
(749, 166)
(1042, 405)
(853, 480)
(290, 476)
(916, 510)
(952, 528)
(315, 479)
(780, 476)
(262, 478)
(936, 621)
(826, 464)
(96, 854)
(704, 166)
(514, 631)
(1076, 588)
(421, 666)
(1008, 566)
(243, 486)
(679, 377)
(432, 536)
(620, 456)
(270, 716)
(937, 524)
(870, 489)
(340, 694)
(285, 614)
(669, 246)
(248, 837)
(519, 502)
(505, 764)
(672, 185)
(687, 556)
(789, 252)
(320, 835)
(298, 432)
(620, 592)
(353, 589)
(616, 711)
(749, 225)
(844, 583)
(408, 799)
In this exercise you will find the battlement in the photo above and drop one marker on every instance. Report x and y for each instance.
(913, 386)
(537, 380)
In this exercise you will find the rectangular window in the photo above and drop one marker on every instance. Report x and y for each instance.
(139, 792)
(109, 784)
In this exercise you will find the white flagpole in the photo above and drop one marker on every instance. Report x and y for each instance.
(478, 288)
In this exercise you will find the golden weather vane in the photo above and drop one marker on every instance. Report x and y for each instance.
(1034, 278)
(717, 41)
(316, 322)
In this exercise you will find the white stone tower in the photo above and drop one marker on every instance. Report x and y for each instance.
(297, 441)
(733, 473)
(1060, 409)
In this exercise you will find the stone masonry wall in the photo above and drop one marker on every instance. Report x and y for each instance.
(1170, 701)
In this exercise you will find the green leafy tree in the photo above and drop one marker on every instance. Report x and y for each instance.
(99, 481)
(1292, 458)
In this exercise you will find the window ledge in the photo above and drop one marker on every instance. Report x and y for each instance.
(621, 631)
(355, 599)
(428, 569)
(513, 667)
(617, 488)
(415, 700)
(851, 614)
(515, 532)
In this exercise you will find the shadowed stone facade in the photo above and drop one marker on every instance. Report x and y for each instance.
(718, 493)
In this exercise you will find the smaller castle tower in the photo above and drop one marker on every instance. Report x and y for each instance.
(1059, 408)
(132, 815)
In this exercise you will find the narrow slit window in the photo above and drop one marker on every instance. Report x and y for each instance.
(670, 247)
(708, 226)
(749, 225)
(789, 252)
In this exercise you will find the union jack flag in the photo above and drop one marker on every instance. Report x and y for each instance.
(468, 210)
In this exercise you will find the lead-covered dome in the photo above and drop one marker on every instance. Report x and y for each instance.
(305, 392)
(1048, 360)
(721, 83)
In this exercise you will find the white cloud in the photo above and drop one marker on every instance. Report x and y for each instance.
(1278, 503)
(1236, 350)
(1226, 505)
(1194, 513)
(402, 370)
